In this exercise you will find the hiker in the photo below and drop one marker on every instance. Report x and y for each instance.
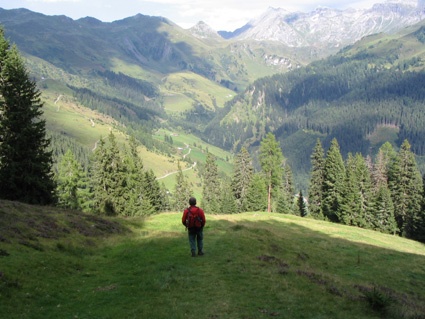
(194, 220)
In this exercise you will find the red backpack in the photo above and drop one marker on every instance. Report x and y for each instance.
(193, 219)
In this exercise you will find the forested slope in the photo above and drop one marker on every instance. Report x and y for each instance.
(377, 84)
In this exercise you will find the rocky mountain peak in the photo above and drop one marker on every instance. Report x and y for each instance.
(203, 31)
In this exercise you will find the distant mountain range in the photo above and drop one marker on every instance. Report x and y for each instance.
(329, 28)
(317, 33)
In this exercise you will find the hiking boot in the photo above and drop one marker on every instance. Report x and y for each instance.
(200, 253)
(193, 253)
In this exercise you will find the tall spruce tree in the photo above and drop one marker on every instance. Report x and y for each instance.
(356, 201)
(109, 178)
(366, 191)
(228, 203)
(271, 161)
(25, 163)
(256, 197)
(385, 157)
(383, 211)
(316, 181)
(383, 206)
(350, 204)
(138, 203)
(405, 183)
(182, 190)
(153, 192)
(71, 182)
(211, 186)
(288, 180)
(333, 182)
(284, 203)
(242, 174)
(301, 205)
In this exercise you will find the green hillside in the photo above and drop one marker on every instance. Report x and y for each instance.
(64, 264)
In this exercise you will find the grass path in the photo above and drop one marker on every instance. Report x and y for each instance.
(61, 264)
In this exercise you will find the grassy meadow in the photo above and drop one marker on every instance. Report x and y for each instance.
(64, 264)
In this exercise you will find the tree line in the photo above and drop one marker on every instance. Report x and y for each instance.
(386, 194)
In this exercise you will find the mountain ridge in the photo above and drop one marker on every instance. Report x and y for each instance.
(332, 27)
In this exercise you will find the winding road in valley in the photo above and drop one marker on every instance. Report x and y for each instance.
(184, 170)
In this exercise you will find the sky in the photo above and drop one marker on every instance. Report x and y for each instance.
(225, 15)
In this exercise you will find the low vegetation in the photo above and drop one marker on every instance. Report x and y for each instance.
(65, 264)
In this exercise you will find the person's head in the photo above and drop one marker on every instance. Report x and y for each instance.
(192, 201)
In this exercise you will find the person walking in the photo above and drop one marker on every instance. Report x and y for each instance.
(194, 220)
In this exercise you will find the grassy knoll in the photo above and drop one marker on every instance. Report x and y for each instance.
(61, 264)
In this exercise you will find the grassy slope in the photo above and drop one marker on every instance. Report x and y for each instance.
(257, 265)
(183, 89)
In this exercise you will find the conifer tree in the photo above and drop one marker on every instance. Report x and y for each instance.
(301, 205)
(211, 186)
(288, 180)
(350, 203)
(316, 181)
(333, 182)
(284, 202)
(138, 203)
(152, 191)
(384, 159)
(182, 190)
(25, 162)
(71, 183)
(383, 218)
(271, 161)
(109, 178)
(166, 198)
(356, 200)
(256, 197)
(228, 203)
(405, 183)
(365, 187)
(242, 174)
(284, 198)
